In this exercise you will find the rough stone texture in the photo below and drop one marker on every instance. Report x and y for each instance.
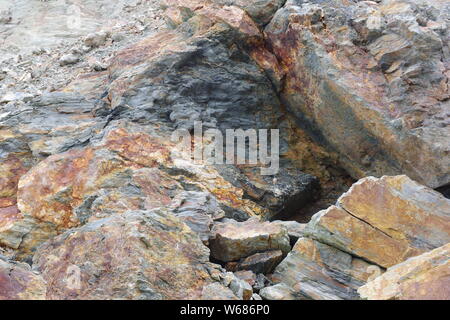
(164, 259)
(377, 224)
(92, 163)
(295, 230)
(216, 291)
(233, 240)
(247, 276)
(277, 292)
(426, 277)
(340, 229)
(198, 210)
(18, 282)
(369, 80)
(264, 262)
(261, 11)
(402, 208)
(241, 288)
(313, 270)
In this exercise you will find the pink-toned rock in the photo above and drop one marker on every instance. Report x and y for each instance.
(18, 282)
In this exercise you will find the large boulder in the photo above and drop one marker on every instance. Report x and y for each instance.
(367, 79)
(137, 255)
(426, 277)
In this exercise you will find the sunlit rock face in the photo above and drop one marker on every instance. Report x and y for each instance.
(99, 199)
(425, 277)
(19, 282)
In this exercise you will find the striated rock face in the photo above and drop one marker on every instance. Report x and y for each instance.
(164, 260)
(104, 204)
(263, 262)
(377, 224)
(18, 282)
(426, 277)
(385, 220)
(232, 240)
(370, 80)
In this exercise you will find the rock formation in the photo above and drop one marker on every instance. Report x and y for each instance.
(377, 224)
(98, 201)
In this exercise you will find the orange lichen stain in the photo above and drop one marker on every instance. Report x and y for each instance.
(138, 147)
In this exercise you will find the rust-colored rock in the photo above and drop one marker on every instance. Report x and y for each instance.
(18, 282)
(426, 277)
(340, 229)
(137, 255)
(401, 208)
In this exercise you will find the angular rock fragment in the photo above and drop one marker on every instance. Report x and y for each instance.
(233, 240)
(313, 270)
(277, 292)
(261, 11)
(425, 277)
(264, 262)
(247, 276)
(242, 289)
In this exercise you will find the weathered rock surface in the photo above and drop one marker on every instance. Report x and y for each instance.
(18, 282)
(426, 277)
(295, 230)
(370, 80)
(398, 217)
(377, 224)
(385, 221)
(137, 255)
(233, 240)
(264, 262)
